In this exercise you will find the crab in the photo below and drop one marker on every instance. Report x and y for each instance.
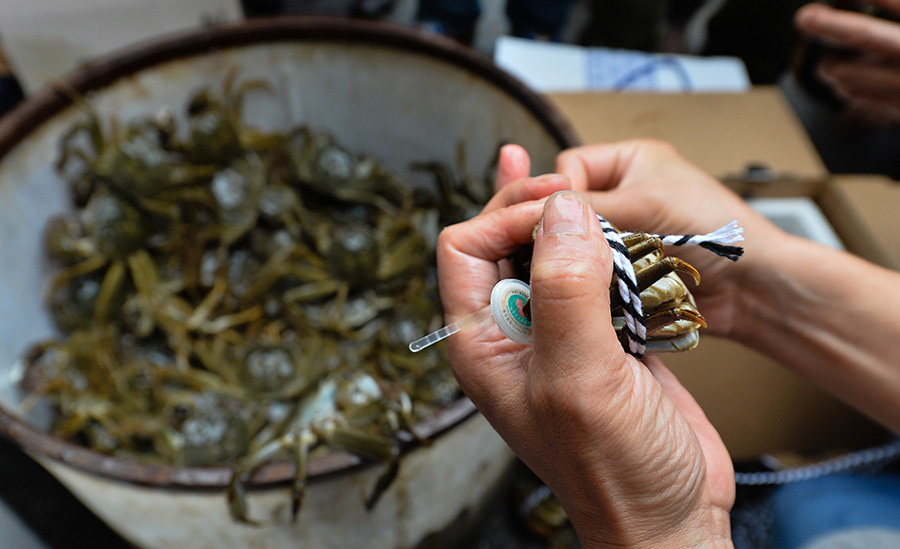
(670, 312)
(349, 411)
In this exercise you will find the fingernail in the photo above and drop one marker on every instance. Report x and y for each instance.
(565, 212)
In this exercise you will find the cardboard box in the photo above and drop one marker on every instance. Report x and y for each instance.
(874, 201)
(757, 406)
(722, 133)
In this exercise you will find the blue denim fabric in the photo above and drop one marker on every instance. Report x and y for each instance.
(812, 509)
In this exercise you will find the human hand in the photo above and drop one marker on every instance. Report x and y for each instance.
(624, 447)
(644, 185)
(864, 67)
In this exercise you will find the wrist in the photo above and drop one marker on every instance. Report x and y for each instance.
(764, 286)
(707, 527)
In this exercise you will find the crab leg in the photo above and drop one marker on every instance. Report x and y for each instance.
(653, 272)
(236, 492)
(301, 458)
(661, 319)
(639, 246)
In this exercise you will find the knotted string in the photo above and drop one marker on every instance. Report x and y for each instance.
(719, 242)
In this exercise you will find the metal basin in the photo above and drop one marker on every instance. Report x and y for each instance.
(386, 91)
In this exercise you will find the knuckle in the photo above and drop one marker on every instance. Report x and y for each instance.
(562, 278)
(654, 145)
(447, 238)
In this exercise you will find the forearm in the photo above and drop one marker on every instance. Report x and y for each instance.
(832, 318)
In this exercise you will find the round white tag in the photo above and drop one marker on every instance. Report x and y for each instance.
(507, 299)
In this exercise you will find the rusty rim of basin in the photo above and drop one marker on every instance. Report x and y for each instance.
(47, 102)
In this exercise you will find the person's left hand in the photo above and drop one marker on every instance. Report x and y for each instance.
(624, 447)
(868, 78)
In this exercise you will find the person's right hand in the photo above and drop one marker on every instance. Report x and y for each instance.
(646, 186)
(625, 448)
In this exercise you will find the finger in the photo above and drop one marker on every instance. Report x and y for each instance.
(849, 29)
(885, 99)
(604, 166)
(872, 113)
(571, 271)
(526, 189)
(624, 210)
(858, 113)
(873, 71)
(592, 167)
(642, 210)
(873, 90)
(870, 80)
(513, 163)
(483, 360)
(468, 253)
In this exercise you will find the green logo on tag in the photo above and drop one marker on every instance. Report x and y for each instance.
(515, 304)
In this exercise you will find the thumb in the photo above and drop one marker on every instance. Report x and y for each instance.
(571, 271)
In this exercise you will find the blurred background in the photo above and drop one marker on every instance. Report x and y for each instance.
(45, 38)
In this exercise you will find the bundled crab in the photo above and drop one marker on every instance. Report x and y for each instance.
(652, 308)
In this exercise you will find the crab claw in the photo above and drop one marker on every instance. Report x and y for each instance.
(653, 272)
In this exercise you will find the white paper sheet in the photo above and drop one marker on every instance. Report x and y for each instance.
(550, 67)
